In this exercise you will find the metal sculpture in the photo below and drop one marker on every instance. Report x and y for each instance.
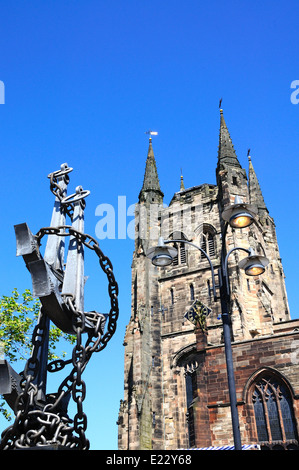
(42, 420)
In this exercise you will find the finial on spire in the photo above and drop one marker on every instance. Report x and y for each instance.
(220, 102)
(182, 187)
(249, 158)
(151, 133)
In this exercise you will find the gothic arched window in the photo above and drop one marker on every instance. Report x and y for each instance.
(208, 243)
(187, 360)
(274, 415)
(191, 394)
(181, 257)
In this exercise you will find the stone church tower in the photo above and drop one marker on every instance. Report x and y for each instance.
(175, 380)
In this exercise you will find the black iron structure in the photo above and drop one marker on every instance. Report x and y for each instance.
(42, 420)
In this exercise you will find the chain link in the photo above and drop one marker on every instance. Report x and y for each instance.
(26, 401)
(58, 192)
(106, 265)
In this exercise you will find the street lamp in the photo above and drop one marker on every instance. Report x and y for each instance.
(238, 215)
(254, 265)
(162, 255)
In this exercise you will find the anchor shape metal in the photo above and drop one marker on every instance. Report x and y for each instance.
(50, 282)
(60, 288)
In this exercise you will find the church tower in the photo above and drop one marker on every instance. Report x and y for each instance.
(142, 338)
(175, 382)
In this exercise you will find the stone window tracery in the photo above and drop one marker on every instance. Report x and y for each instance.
(274, 416)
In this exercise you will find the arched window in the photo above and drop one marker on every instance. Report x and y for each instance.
(208, 243)
(187, 359)
(181, 257)
(273, 410)
(191, 394)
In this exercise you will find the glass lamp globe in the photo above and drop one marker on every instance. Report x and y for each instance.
(254, 265)
(162, 254)
(239, 214)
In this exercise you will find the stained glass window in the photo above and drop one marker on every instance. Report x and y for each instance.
(191, 394)
(274, 416)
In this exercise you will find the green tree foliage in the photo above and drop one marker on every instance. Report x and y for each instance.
(18, 317)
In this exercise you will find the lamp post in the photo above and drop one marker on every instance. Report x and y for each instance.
(238, 215)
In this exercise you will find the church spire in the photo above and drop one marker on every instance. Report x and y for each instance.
(255, 192)
(226, 152)
(151, 190)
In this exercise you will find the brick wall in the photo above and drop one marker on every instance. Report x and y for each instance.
(278, 353)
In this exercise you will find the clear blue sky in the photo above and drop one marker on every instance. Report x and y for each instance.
(85, 79)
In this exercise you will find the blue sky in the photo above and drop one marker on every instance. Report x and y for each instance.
(83, 82)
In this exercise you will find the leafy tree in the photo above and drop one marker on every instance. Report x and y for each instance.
(18, 317)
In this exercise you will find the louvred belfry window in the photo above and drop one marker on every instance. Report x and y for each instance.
(208, 244)
(181, 257)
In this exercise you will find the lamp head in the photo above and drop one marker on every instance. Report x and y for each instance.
(161, 255)
(239, 215)
(254, 265)
(241, 219)
(255, 269)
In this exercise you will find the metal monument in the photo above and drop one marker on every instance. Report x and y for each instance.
(41, 419)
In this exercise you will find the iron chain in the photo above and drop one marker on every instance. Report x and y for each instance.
(57, 191)
(106, 265)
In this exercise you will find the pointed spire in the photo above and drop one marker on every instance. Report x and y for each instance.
(151, 179)
(255, 192)
(226, 151)
(150, 152)
(182, 187)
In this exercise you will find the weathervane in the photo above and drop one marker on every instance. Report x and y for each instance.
(41, 419)
(150, 133)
